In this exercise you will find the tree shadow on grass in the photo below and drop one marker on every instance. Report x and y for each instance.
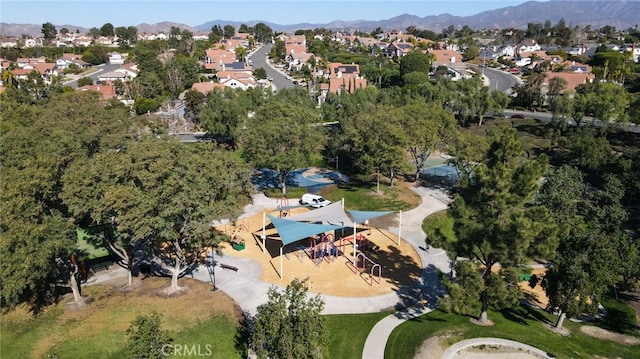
(524, 313)
(515, 315)
(619, 321)
(537, 315)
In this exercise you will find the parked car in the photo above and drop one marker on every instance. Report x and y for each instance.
(517, 115)
(314, 200)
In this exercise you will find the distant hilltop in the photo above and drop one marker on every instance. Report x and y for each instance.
(621, 14)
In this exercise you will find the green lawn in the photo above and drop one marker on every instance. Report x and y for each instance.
(363, 197)
(349, 332)
(439, 229)
(99, 330)
(523, 324)
(88, 248)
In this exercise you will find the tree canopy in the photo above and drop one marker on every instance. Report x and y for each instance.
(593, 249)
(497, 226)
(283, 136)
(289, 325)
(39, 145)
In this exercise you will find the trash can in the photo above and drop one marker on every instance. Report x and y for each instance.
(238, 246)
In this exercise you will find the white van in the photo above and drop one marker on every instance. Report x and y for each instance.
(314, 200)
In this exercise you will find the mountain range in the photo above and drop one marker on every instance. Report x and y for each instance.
(621, 14)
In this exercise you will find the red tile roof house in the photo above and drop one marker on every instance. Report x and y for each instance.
(398, 49)
(23, 62)
(294, 50)
(236, 79)
(345, 78)
(296, 40)
(574, 79)
(214, 59)
(4, 65)
(445, 57)
(365, 41)
(68, 59)
(130, 69)
(299, 60)
(207, 87)
(108, 91)
(21, 74)
(232, 44)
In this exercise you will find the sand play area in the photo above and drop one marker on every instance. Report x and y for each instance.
(399, 265)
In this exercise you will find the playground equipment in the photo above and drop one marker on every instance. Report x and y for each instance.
(283, 205)
(324, 249)
(374, 266)
(234, 227)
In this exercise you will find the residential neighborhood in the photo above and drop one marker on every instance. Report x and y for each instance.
(321, 192)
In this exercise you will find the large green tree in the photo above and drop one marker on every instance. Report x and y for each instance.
(49, 31)
(39, 145)
(165, 193)
(107, 29)
(262, 32)
(127, 36)
(498, 227)
(428, 127)
(283, 136)
(593, 248)
(223, 115)
(289, 325)
(376, 142)
(229, 31)
(414, 61)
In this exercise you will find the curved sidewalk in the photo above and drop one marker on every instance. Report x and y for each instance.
(433, 259)
(452, 350)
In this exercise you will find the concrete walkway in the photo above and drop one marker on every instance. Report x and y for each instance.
(433, 259)
(452, 350)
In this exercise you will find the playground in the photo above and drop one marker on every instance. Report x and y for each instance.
(381, 265)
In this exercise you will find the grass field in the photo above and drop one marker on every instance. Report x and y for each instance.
(99, 329)
(439, 229)
(349, 332)
(523, 324)
(364, 197)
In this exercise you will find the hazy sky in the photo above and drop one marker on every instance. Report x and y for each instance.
(95, 13)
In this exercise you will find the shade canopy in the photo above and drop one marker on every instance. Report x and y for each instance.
(363, 216)
(291, 231)
(331, 214)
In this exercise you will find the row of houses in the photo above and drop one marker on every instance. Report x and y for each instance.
(229, 70)
(81, 40)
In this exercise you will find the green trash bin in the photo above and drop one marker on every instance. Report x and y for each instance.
(238, 246)
(524, 276)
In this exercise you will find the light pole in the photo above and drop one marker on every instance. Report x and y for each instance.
(484, 60)
(211, 268)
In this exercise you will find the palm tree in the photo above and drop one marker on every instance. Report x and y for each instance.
(241, 53)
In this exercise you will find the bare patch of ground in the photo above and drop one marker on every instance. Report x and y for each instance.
(562, 330)
(494, 352)
(600, 333)
(432, 348)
